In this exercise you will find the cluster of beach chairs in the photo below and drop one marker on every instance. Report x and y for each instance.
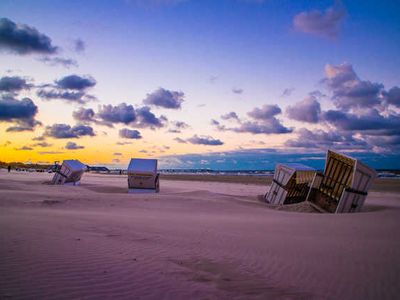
(342, 187)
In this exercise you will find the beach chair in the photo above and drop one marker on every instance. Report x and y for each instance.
(290, 184)
(344, 185)
(70, 173)
(143, 176)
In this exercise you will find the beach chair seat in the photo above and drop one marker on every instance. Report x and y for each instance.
(70, 173)
(143, 176)
(343, 187)
(290, 184)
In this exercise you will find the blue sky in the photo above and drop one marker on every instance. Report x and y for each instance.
(212, 58)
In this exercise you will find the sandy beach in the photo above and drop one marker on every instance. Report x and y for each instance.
(193, 240)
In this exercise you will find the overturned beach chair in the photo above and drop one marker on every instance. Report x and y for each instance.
(70, 173)
(344, 185)
(291, 184)
(143, 176)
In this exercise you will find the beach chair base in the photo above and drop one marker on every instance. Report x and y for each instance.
(73, 183)
(142, 191)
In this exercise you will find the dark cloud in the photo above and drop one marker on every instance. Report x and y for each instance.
(268, 126)
(59, 61)
(348, 91)
(146, 119)
(79, 46)
(22, 112)
(84, 115)
(265, 112)
(64, 131)
(205, 140)
(23, 39)
(320, 139)
(370, 122)
(326, 24)
(237, 91)
(393, 96)
(75, 82)
(165, 98)
(122, 113)
(230, 116)
(73, 146)
(69, 96)
(130, 134)
(13, 84)
(308, 110)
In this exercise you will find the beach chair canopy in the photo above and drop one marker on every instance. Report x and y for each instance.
(143, 176)
(143, 166)
(290, 184)
(70, 172)
(344, 185)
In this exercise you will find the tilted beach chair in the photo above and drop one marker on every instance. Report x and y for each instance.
(344, 185)
(70, 173)
(143, 176)
(290, 184)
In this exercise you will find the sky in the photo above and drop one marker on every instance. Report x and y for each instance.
(219, 84)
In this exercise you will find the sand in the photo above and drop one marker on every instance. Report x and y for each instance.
(193, 240)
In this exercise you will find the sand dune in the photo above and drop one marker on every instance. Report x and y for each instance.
(193, 240)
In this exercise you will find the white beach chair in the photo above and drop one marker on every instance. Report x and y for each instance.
(143, 176)
(344, 185)
(290, 184)
(70, 173)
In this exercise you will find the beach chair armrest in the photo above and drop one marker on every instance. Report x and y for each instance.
(354, 191)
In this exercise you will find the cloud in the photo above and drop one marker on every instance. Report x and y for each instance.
(22, 112)
(123, 143)
(348, 91)
(237, 91)
(129, 134)
(325, 24)
(204, 140)
(179, 140)
(287, 92)
(265, 112)
(24, 148)
(263, 122)
(83, 115)
(73, 146)
(370, 122)
(393, 96)
(268, 126)
(230, 116)
(178, 126)
(75, 82)
(146, 119)
(165, 98)
(122, 113)
(79, 46)
(64, 131)
(42, 144)
(22, 39)
(320, 139)
(59, 61)
(307, 110)
(13, 84)
(71, 97)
